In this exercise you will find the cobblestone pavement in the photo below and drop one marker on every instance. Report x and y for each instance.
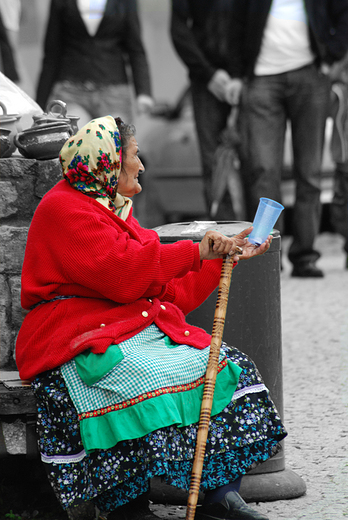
(315, 381)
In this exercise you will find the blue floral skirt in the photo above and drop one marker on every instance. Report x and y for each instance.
(246, 433)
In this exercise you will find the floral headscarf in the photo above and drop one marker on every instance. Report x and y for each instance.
(91, 161)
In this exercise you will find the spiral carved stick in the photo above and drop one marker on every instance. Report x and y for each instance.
(209, 384)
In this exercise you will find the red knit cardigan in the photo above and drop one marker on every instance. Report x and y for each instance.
(125, 279)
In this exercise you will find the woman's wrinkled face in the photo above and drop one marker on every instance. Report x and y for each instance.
(128, 181)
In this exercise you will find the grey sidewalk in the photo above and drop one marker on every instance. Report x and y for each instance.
(315, 379)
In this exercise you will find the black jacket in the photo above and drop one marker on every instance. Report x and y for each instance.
(199, 30)
(227, 34)
(9, 67)
(70, 53)
(328, 31)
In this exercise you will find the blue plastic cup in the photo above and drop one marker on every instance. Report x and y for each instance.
(266, 216)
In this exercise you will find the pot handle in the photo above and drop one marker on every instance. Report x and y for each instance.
(4, 109)
(61, 112)
(16, 140)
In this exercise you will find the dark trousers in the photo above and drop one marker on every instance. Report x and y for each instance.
(268, 102)
(339, 205)
(211, 118)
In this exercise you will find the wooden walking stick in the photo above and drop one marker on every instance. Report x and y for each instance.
(209, 384)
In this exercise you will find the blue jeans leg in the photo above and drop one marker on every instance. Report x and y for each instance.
(97, 100)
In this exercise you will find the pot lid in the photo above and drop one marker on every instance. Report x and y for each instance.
(55, 112)
(41, 128)
(4, 130)
(7, 118)
(49, 119)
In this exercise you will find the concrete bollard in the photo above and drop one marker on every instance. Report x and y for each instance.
(253, 325)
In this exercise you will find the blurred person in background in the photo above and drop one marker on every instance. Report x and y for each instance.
(93, 56)
(8, 65)
(282, 52)
(339, 149)
(199, 31)
(10, 14)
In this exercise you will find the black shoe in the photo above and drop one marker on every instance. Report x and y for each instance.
(137, 509)
(307, 271)
(232, 507)
(85, 511)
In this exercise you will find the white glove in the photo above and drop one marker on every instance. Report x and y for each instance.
(218, 83)
(233, 91)
(144, 104)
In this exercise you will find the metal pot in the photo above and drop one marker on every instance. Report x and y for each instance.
(10, 122)
(43, 141)
(5, 142)
(56, 113)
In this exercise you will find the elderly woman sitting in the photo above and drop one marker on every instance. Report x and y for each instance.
(117, 372)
